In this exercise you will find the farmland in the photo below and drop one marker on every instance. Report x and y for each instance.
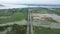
(43, 19)
(42, 30)
(12, 15)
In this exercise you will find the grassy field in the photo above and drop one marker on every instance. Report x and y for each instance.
(14, 17)
(42, 30)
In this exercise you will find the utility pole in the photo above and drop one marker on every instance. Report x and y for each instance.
(29, 26)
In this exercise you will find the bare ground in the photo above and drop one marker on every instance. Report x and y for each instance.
(52, 25)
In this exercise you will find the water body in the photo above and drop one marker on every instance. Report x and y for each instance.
(50, 6)
(15, 6)
(6, 6)
(25, 6)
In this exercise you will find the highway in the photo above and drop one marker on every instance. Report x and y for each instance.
(29, 23)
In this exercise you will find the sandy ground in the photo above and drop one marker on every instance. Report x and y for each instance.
(53, 16)
(51, 25)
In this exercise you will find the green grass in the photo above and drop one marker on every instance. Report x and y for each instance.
(18, 16)
(51, 20)
(41, 12)
(42, 30)
(14, 17)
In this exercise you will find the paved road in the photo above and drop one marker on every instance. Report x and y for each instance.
(30, 27)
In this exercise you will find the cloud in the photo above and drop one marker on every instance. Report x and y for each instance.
(31, 1)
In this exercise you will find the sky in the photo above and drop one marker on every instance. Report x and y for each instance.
(29, 1)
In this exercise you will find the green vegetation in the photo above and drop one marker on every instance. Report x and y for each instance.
(46, 10)
(40, 10)
(18, 16)
(2, 28)
(18, 29)
(21, 14)
(15, 15)
(42, 30)
(51, 20)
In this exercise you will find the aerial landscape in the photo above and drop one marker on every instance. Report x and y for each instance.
(29, 17)
(43, 20)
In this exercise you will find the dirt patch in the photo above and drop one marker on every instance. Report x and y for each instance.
(44, 16)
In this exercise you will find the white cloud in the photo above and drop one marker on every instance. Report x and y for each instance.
(31, 1)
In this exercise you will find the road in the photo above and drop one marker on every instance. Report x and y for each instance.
(30, 27)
